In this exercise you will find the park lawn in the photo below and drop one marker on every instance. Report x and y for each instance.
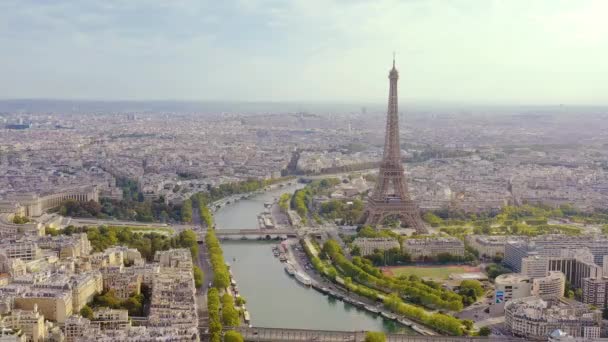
(436, 273)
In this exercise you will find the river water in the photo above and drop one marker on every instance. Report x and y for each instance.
(273, 298)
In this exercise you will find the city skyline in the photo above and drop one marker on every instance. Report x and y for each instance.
(127, 221)
(479, 52)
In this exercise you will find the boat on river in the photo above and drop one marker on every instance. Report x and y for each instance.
(388, 316)
(303, 279)
(372, 309)
(290, 269)
(404, 322)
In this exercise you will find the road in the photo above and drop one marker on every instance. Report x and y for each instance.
(203, 262)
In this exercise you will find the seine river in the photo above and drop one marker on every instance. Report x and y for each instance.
(273, 298)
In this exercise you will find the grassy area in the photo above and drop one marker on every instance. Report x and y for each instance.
(436, 273)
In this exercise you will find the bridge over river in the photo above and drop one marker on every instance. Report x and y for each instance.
(289, 335)
(251, 234)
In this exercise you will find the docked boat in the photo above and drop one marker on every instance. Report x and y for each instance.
(388, 315)
(372, 309)
(246, 317)
(283, 257)
(304, 280)
(290, 269)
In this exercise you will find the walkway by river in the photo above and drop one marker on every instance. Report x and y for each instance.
(273, 298)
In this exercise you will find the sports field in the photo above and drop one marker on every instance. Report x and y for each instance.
(432, 272)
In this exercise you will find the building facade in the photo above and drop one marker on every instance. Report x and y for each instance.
(433, 246)
(534, 318)
(367, 246)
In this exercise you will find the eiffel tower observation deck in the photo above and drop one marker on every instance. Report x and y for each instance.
(390, 197)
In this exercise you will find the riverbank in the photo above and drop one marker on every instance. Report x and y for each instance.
(276, 300)
(297, 257)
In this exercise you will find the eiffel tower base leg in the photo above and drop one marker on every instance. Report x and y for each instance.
(375, 216)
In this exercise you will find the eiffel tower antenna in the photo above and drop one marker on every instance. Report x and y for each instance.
(391, 196)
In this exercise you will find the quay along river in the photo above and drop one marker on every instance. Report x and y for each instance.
(276, 300)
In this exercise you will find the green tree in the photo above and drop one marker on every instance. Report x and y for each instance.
(375, 336)
(198, 276)
(86, 312)
(240, 300)
(20, 219)
(432, 219)
(134, 305)
(187, 211)
(471, 287)
(233, 336)
(230, 316)
(485, 331)
(221, 278)
(468, 324)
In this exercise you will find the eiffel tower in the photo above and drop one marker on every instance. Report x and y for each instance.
(391, 196)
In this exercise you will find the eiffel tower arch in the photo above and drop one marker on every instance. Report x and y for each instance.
(390, 196)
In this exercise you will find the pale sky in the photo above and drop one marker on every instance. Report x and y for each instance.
(464, 51)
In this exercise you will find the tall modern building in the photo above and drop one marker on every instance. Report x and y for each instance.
(391, 196)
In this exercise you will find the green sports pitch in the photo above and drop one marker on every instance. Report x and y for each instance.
(432, 272)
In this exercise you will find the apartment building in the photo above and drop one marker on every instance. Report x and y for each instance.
(433, 246)
(367, 246)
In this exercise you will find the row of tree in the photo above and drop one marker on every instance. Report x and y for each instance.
(445, 323)
(425, 293)
(200, 200)
(199, 276)
(221, 276)
(284, 202)
(215, 321)
(229, 317)
(299, 203)
(438, 321)
(187, 211)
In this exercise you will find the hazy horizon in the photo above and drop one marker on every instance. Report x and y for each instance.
(463, 52)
